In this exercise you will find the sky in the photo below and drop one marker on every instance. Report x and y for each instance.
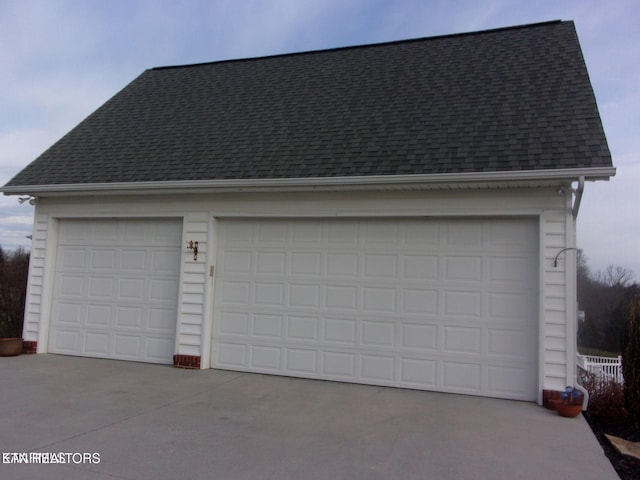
(62, 59)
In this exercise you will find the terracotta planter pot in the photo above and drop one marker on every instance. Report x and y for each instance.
(553, 402)
(10, 347)
(570, 411)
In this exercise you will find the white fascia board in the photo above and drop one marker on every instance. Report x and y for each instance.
(382, 182)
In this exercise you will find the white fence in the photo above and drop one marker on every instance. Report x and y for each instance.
(608, 367)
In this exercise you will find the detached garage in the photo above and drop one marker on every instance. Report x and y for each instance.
(397, 214)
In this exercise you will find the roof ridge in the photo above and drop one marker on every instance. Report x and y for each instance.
(367, 45)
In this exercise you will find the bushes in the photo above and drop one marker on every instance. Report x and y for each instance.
(606, 398)
(631, 363)
(14, 268)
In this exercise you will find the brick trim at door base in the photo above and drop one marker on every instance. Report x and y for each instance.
(550, 395)
(29, 347)
(186, 361)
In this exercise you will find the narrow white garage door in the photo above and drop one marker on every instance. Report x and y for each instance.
(443, 305)
(116, 289)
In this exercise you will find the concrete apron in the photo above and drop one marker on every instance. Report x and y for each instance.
(156, 422)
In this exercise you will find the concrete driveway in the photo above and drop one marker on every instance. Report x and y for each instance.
(156, 422)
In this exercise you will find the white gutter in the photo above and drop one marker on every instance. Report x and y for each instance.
(311, 183)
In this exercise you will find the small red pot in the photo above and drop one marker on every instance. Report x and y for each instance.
(10, 347)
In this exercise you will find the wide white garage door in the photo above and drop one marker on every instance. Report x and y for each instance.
(445, 305)
(116, 289)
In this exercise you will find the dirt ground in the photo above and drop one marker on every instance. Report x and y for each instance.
(627, 467)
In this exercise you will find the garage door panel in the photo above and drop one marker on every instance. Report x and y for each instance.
(380, 266)
(463, 268)
(302, 329)
(101, 288)
(161, 290)
(462, 304)
(72, 258)
(162, 320)
(99, 316)
(340, 330)
(420, 302)
(127, 346)
(270, 262)
(103, 259)
(233, 323)
(341, 297)
(420, 337)
(510, 381)
(131, 289)
(165, 233)
(379, 300)
(300, 361)
(342, 264)
(234, 292)
(462, 340)
(112, 300)
(510, 269)
(266, 358)
(272, 233)
(269, 294)
(418, 373)
(66, 341)
(378, 334)
(462, 234)
(515, 344)
(69, 313)
(72, 285)
(423, 234)
(75, 232)
(379, 369)
(130, 317)
(304, 296)
(132, 260)
(158, 349)
(420, 267)
(502, 235)
(461, 376)
(341, 365)
(232, 355)
(342, 234)
(103, 232)
(96, 343)
(303, 263)
(267, 326)
(428, 304)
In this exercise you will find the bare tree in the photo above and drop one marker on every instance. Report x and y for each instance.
(615, 276)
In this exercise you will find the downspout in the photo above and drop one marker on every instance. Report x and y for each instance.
(576, 208)
(578, 193)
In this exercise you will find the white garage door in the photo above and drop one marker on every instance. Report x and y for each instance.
(443, 305)
(116, 289)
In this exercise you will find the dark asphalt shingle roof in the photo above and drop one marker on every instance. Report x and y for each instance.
(501, 100)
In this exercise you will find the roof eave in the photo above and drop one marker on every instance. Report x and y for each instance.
(381, 182)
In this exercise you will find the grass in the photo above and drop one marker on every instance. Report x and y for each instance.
(596, 352)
